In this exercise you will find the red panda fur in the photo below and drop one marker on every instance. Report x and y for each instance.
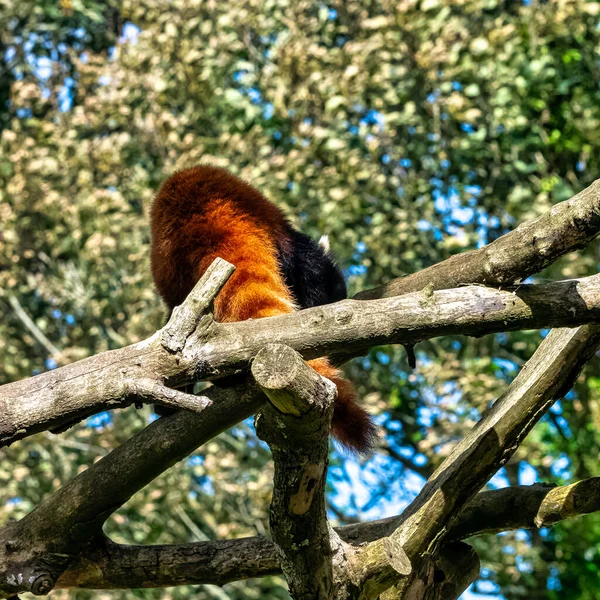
(205, 212)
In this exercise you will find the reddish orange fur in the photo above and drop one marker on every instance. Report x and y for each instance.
(205, 212)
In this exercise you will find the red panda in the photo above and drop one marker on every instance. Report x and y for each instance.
(205, 212)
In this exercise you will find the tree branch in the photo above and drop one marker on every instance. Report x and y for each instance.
(527, 507)
(33, 328)
(296, 427)
(444, 577)
(350, 326)
(65, 522)
(185, 318)
(568, 226)
(43, 402)
(218, 349)
(546, 377)
(193, 347)
(58, 399)
(107, 565)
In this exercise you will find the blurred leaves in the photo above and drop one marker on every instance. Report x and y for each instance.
(406, 131)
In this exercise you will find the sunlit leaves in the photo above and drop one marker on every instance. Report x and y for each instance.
(406, 131)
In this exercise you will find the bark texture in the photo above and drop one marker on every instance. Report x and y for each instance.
(146, 371)
(414, 556)
(546, 377)
(296, 427)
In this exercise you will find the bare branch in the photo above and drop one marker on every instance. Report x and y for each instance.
(350, 326)
(70, 393)
(296, 428)
(531, 247)
(217, 349)
(185, 318)
(517, 507)
(58, 399)
(562, 503)
(45, 403)
(546, 377)
(107, 565)
(66, 522)
(151, 391)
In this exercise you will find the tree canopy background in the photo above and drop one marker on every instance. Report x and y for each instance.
(406, 131)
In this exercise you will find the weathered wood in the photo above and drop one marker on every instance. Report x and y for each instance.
(545, 378)
(569, 501)
(197, 348)
(507, 509)
(353, 326)
(107, 565)
(63, 524)
(60, 398)
(568, 226)
(296, 426)
(185, 318)
(217, 349)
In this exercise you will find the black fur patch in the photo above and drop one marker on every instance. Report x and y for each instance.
(309, 271)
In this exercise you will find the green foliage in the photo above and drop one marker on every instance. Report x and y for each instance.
(417, 129)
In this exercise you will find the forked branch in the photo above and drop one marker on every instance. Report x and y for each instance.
(545, 378)
(45, 544)
(109, 565)
(213, 350)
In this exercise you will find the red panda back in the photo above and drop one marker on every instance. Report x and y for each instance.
(198, 211)
(205, 212)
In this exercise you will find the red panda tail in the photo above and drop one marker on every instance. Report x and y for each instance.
(205, 212)
(351, 424)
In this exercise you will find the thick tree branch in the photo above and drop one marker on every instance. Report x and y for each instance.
(44, 402)
(526, 507)
(218, 349)
(528, 249)
(107, 565)
(546, 377)
(350, 326)
(198, 348)
(517, 507)
(296, 427)
(66, 521)
(114, 379)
